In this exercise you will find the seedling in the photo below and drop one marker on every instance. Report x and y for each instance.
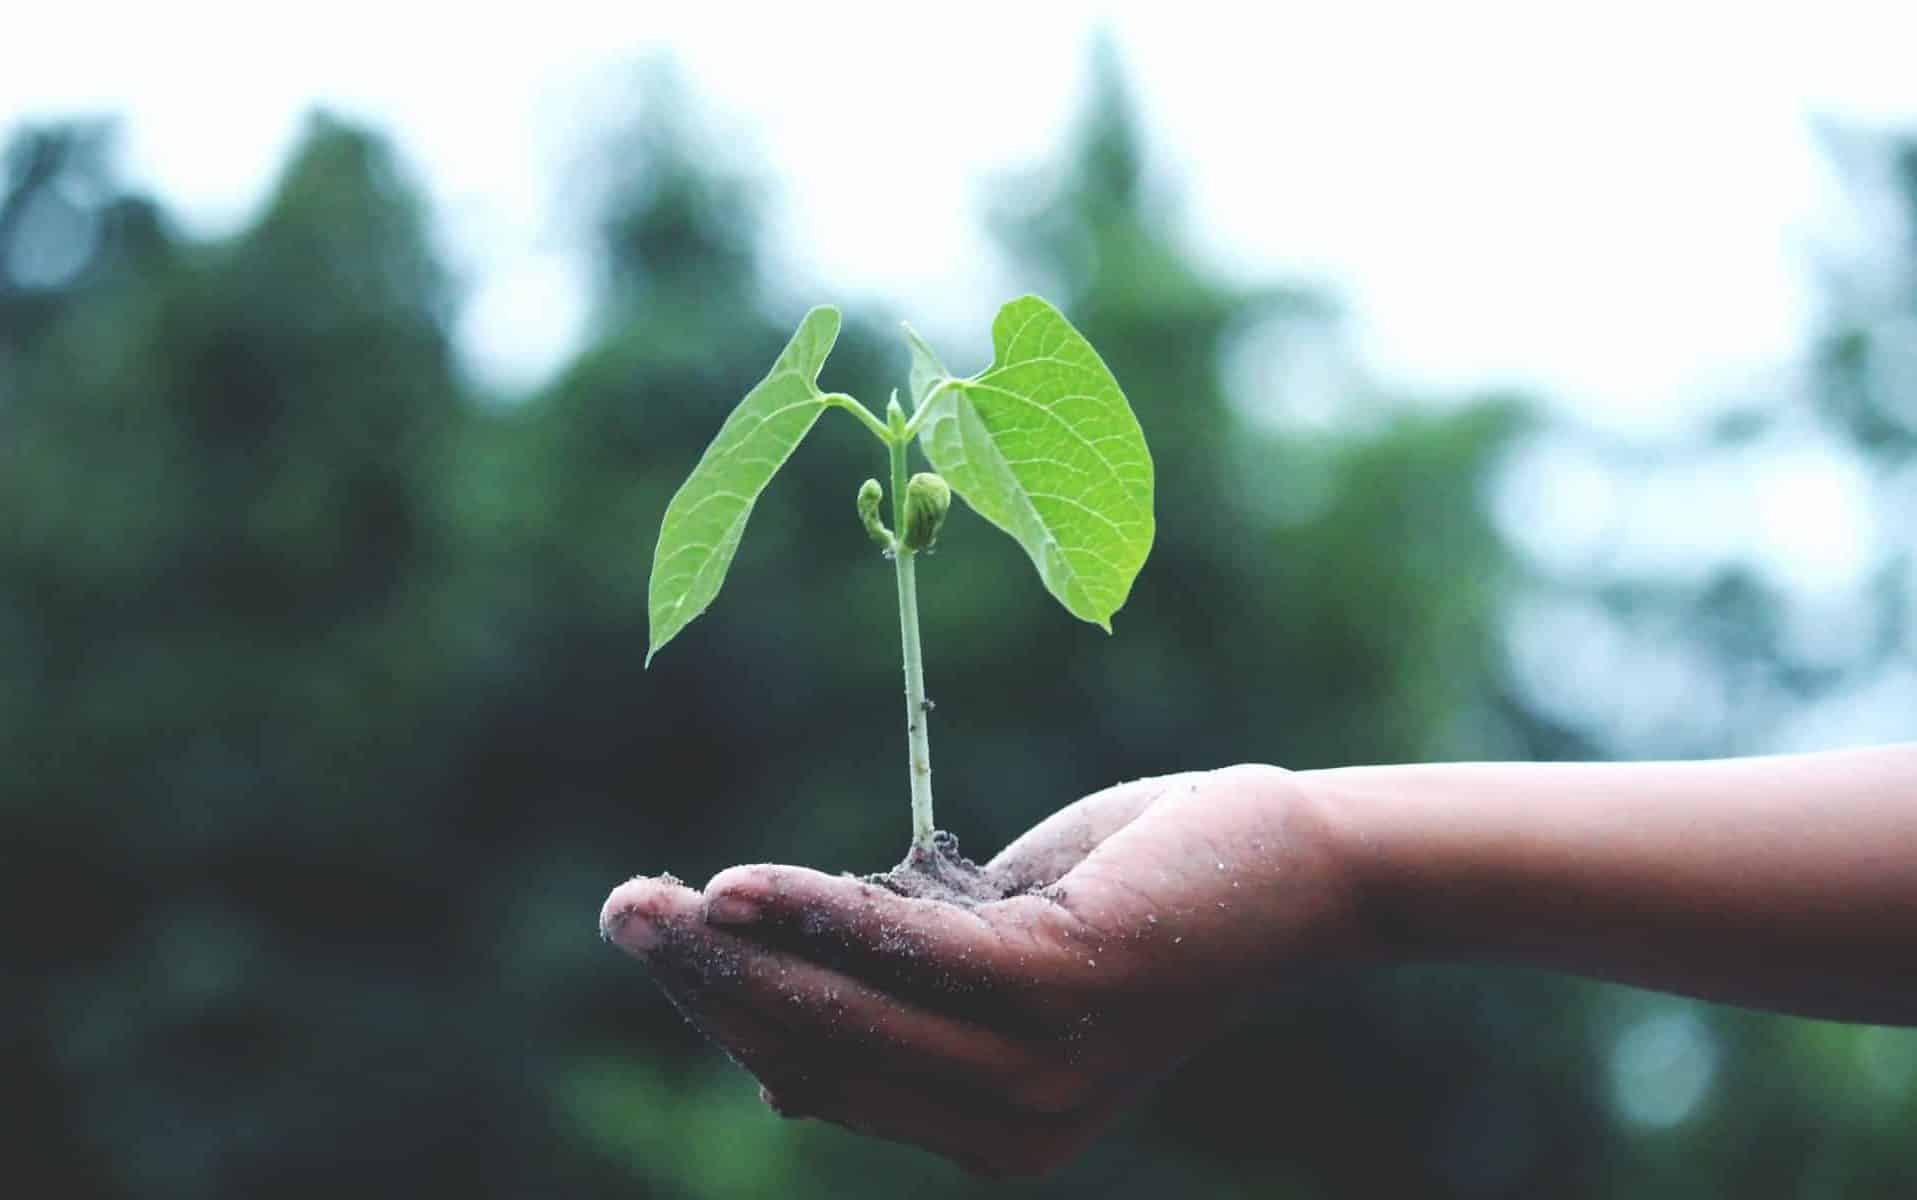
(1041, 444)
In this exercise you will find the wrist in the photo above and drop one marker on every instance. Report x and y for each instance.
(1372, 914)
(1321, 893)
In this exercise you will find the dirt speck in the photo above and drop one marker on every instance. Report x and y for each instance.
(942, 873)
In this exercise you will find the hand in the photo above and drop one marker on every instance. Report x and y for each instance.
(1145, 919)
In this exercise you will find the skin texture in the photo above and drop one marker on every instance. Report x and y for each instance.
(1006, 1036)
(1785, 883)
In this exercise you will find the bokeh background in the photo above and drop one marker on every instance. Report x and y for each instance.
(1508, 401)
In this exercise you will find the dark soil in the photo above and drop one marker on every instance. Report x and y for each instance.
(944, 874)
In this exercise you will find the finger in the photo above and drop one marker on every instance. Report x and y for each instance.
(930, 949)
(719, 981)
(659, 921)
(940, 954)
(637, 914)
(910, 1077)
(828, 1016)
(1044, 853)
(985, 1133)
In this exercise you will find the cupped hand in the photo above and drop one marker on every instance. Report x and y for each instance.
(1144, 920)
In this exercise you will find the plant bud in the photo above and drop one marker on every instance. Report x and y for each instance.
(927, 499)
(870, 494)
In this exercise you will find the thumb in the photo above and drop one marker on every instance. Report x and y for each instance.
(1046, 852)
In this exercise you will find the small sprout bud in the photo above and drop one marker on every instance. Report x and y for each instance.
(870, 493)
(927, 499)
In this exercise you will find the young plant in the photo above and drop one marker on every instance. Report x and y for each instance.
(1041, 443)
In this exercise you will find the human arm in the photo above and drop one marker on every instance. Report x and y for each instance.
(1146, 920)
(1785, 883)
(1006, 1036)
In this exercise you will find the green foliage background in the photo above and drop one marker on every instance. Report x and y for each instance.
(326, 731)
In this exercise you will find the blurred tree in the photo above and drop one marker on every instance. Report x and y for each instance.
(1725, 656)
(321, 689)
(223, 681)
(1358, 629)
(1867, 358)
(64, 225)
(1740, 649)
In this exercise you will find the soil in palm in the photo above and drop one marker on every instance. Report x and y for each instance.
(942, 873)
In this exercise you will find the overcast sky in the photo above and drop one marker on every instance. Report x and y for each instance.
(1625, 210)
(1499, 193)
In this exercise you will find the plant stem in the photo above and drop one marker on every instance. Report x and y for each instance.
(916, 709)
(924, 411)
(864, 415)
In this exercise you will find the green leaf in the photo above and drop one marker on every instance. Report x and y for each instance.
(1043, 445)
(927, 370)
(708, 513)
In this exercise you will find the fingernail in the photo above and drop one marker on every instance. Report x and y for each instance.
(728, 908)
(623, 924)
(630, 932)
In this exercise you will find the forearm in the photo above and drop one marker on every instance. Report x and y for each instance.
(1780, 883)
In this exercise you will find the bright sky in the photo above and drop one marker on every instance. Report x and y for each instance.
(1623, 208)
(1626, 208)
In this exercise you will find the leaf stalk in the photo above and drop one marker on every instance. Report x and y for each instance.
(917, 710)
(924, 409)
(864, 414)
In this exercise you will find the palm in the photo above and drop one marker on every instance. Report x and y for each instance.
(1003, 1035)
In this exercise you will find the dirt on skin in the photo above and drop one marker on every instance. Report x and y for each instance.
(942, 873)
(693, 961)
